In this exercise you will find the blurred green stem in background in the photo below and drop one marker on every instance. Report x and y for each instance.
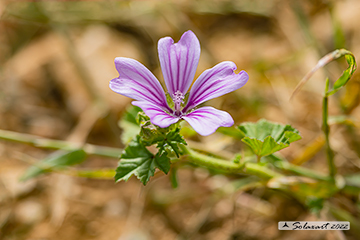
(58, 144)
(326, 129)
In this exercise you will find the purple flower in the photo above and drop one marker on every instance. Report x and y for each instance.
(178, 63)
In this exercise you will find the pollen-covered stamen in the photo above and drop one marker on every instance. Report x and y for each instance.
(178, 98)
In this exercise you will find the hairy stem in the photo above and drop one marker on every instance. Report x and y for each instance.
(211, 162)
(228, 167)
(260, 171)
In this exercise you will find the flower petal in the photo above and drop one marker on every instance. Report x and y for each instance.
(206, 120)
(215, 82)
(137, 82)
(156, 114)
(179, 61)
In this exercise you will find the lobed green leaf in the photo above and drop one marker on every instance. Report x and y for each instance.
(265, 137)
(137, 160)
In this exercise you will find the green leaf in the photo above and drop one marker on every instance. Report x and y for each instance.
(345, 77)
(137, 160)
(165, 138)
(131, 114)
(150, 134)
(172, 139)
(187, 130)
(129, 124)
(265, 137)
(56, 161)
(163, 162)
(229, 131)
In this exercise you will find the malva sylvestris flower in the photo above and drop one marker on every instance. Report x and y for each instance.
(178, 64)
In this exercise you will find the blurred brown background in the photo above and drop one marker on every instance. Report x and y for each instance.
(56, 59)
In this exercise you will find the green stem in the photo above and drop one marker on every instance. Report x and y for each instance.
(228, 167)
(211, 162)
(58, 144)
(301, 171)
(282, 164)
(260, 171)
(326, 130)
(96, 174)
(249, 167)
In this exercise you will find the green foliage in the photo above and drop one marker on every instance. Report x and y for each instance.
(172, 139)
(129, 124)
(56, 161)
(149, 134)
(165, 138)
(137, 160)
(131, 114)
(266, 137)
(345, 77)
(229, 131)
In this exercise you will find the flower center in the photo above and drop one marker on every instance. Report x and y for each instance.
(178, 98)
